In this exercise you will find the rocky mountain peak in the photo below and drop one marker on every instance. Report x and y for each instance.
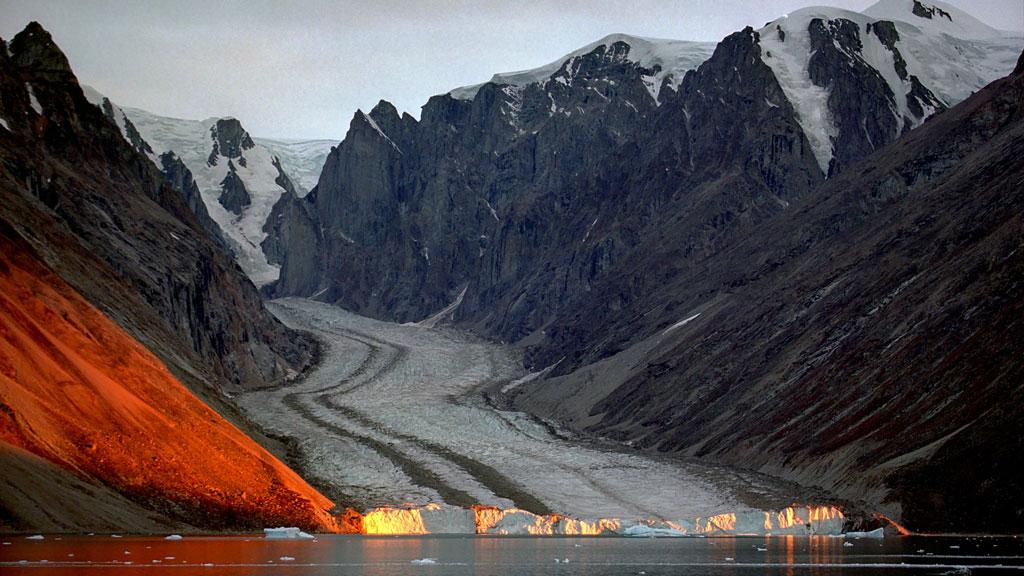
(923, 10)
(1020, 65)
(229, 140)
(34, 48)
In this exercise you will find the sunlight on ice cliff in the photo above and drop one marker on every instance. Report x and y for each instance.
(445, 519)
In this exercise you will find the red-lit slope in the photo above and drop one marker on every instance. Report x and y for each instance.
(75, 389)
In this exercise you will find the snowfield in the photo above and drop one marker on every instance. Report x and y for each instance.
(395, 416)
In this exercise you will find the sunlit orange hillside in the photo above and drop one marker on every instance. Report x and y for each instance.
(78, 391)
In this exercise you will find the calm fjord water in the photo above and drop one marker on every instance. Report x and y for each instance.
(527, 556)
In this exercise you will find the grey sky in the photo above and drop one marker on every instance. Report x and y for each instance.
(301, 69)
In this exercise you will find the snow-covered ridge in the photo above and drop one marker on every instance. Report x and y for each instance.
(934, 16)
(194, 142)
(674, 57)
(951, 66)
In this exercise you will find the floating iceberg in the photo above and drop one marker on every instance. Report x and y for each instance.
(645, 531)
(424, 561)
(173, 537)
(283, 533)
(36, 537)
(876, 533)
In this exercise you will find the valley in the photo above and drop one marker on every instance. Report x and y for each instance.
(399, 415)
(767, 285)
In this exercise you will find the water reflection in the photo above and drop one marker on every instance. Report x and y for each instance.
(482, 555)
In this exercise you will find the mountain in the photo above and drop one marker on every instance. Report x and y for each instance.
(239, 178)
(864, 340)
(117, 260)
(133, 446)
(528, 189)
(584, 216)
(667, 59)
(902, 69)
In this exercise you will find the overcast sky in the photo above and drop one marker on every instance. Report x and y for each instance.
(301, 69)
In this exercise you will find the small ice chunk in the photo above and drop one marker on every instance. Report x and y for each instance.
(115, 535)
(35, 537)
(848, 544)
(424, 561)
(173, 537)
(286, 533)
(876, 533)
(286, 558)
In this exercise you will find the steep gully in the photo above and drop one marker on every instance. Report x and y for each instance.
(398, 414)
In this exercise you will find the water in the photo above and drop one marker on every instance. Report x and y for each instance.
(526, 556)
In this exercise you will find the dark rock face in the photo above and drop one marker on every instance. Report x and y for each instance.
(131, 132)
(293, 224)
(927, 11)
(180, 178)
(861, 102)
(106, 220)
(530, 195)
(233, 196)
(864, 341)
(229, 140)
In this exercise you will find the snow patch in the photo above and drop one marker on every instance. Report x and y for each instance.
(529, 377)
(681, 323)
(4, 124)
(446, 312)
(373, 124)
(32, 100)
